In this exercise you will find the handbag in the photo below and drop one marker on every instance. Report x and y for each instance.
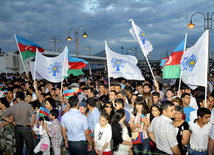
(44, 147)
(137, 137)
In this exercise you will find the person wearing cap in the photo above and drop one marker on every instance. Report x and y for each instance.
(81, 95)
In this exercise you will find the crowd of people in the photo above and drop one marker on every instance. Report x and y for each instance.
(103, 117)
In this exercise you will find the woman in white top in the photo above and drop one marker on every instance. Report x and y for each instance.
(139, 123)
(102, 135)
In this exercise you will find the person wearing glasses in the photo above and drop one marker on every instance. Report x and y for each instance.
(109, 109)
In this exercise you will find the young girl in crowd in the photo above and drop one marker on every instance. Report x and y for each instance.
(102, 136)
(44, 144)
(139, 123)
(121, 134)
(155, 111)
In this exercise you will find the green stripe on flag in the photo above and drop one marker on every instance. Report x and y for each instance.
(172, 71)
(28, 54)
(74, 72)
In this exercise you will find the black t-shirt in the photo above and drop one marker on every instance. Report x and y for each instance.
(181, 128)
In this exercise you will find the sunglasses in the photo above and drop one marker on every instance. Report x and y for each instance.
(108, 106)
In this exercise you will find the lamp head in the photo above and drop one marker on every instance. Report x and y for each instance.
(58, 40)
(130, 50)
(84, 34)
(51, 39)
(191, 25)
(69, 38)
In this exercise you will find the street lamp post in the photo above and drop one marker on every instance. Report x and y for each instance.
(89, 48)
(76, 33)
(207, 26)
(122, 49)
(55, 40)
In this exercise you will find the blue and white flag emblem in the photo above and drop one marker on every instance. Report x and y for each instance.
(52, 69)
(122, 65)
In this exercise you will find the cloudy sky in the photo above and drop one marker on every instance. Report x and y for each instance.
(164, 22)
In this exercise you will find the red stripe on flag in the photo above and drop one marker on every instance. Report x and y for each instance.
(174, 59)
(76, 65)
(69, 94)
(23, 48)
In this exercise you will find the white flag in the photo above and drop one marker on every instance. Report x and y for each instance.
(52, 69)
(122, 65)
(140, 37)
(37, 76)
(194, 63)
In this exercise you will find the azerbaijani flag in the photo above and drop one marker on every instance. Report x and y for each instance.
(141, 118)
(27, 48)
(43, 111)
(5, 92)
(2, 86)
(163, 61)
(68, 93)
(171, 68)
(75, 66)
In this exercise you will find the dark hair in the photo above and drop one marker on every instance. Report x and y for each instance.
(44, 118)
(119, 101)
(28, 93)
(140, 101)
(139, 85)
(106, 86)
(105, 115)
(112, 111)
(54, 112)
(156, 106)
(114, 92)
(118, 85)
(91, 89)
(51, 101)
(203, 111)
(128, 88)
(104, 98)
(4, 101)
(32, 88)
(118, 115)
(179, 108)
(20, 95)
(90, 101)
(184, 94)
(165, 105)
(199, 99)
(82, 84)
(147, 85)
(10, 89)
(73, 101)
(35, 104)
(156, 94)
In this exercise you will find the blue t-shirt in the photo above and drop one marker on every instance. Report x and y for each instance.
(187, 111)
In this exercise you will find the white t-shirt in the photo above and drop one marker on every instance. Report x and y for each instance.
(199, 136)
(193, 103)
(102, 136)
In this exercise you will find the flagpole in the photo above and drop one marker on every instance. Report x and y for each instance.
(20, 55)
(179, 86)
(108, 67)
(150, 69)
(34, 76)
(206, 68)
(63, 70)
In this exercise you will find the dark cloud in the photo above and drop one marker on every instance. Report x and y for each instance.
(164, 22)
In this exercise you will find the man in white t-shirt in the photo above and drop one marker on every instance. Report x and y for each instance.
(200, 132)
